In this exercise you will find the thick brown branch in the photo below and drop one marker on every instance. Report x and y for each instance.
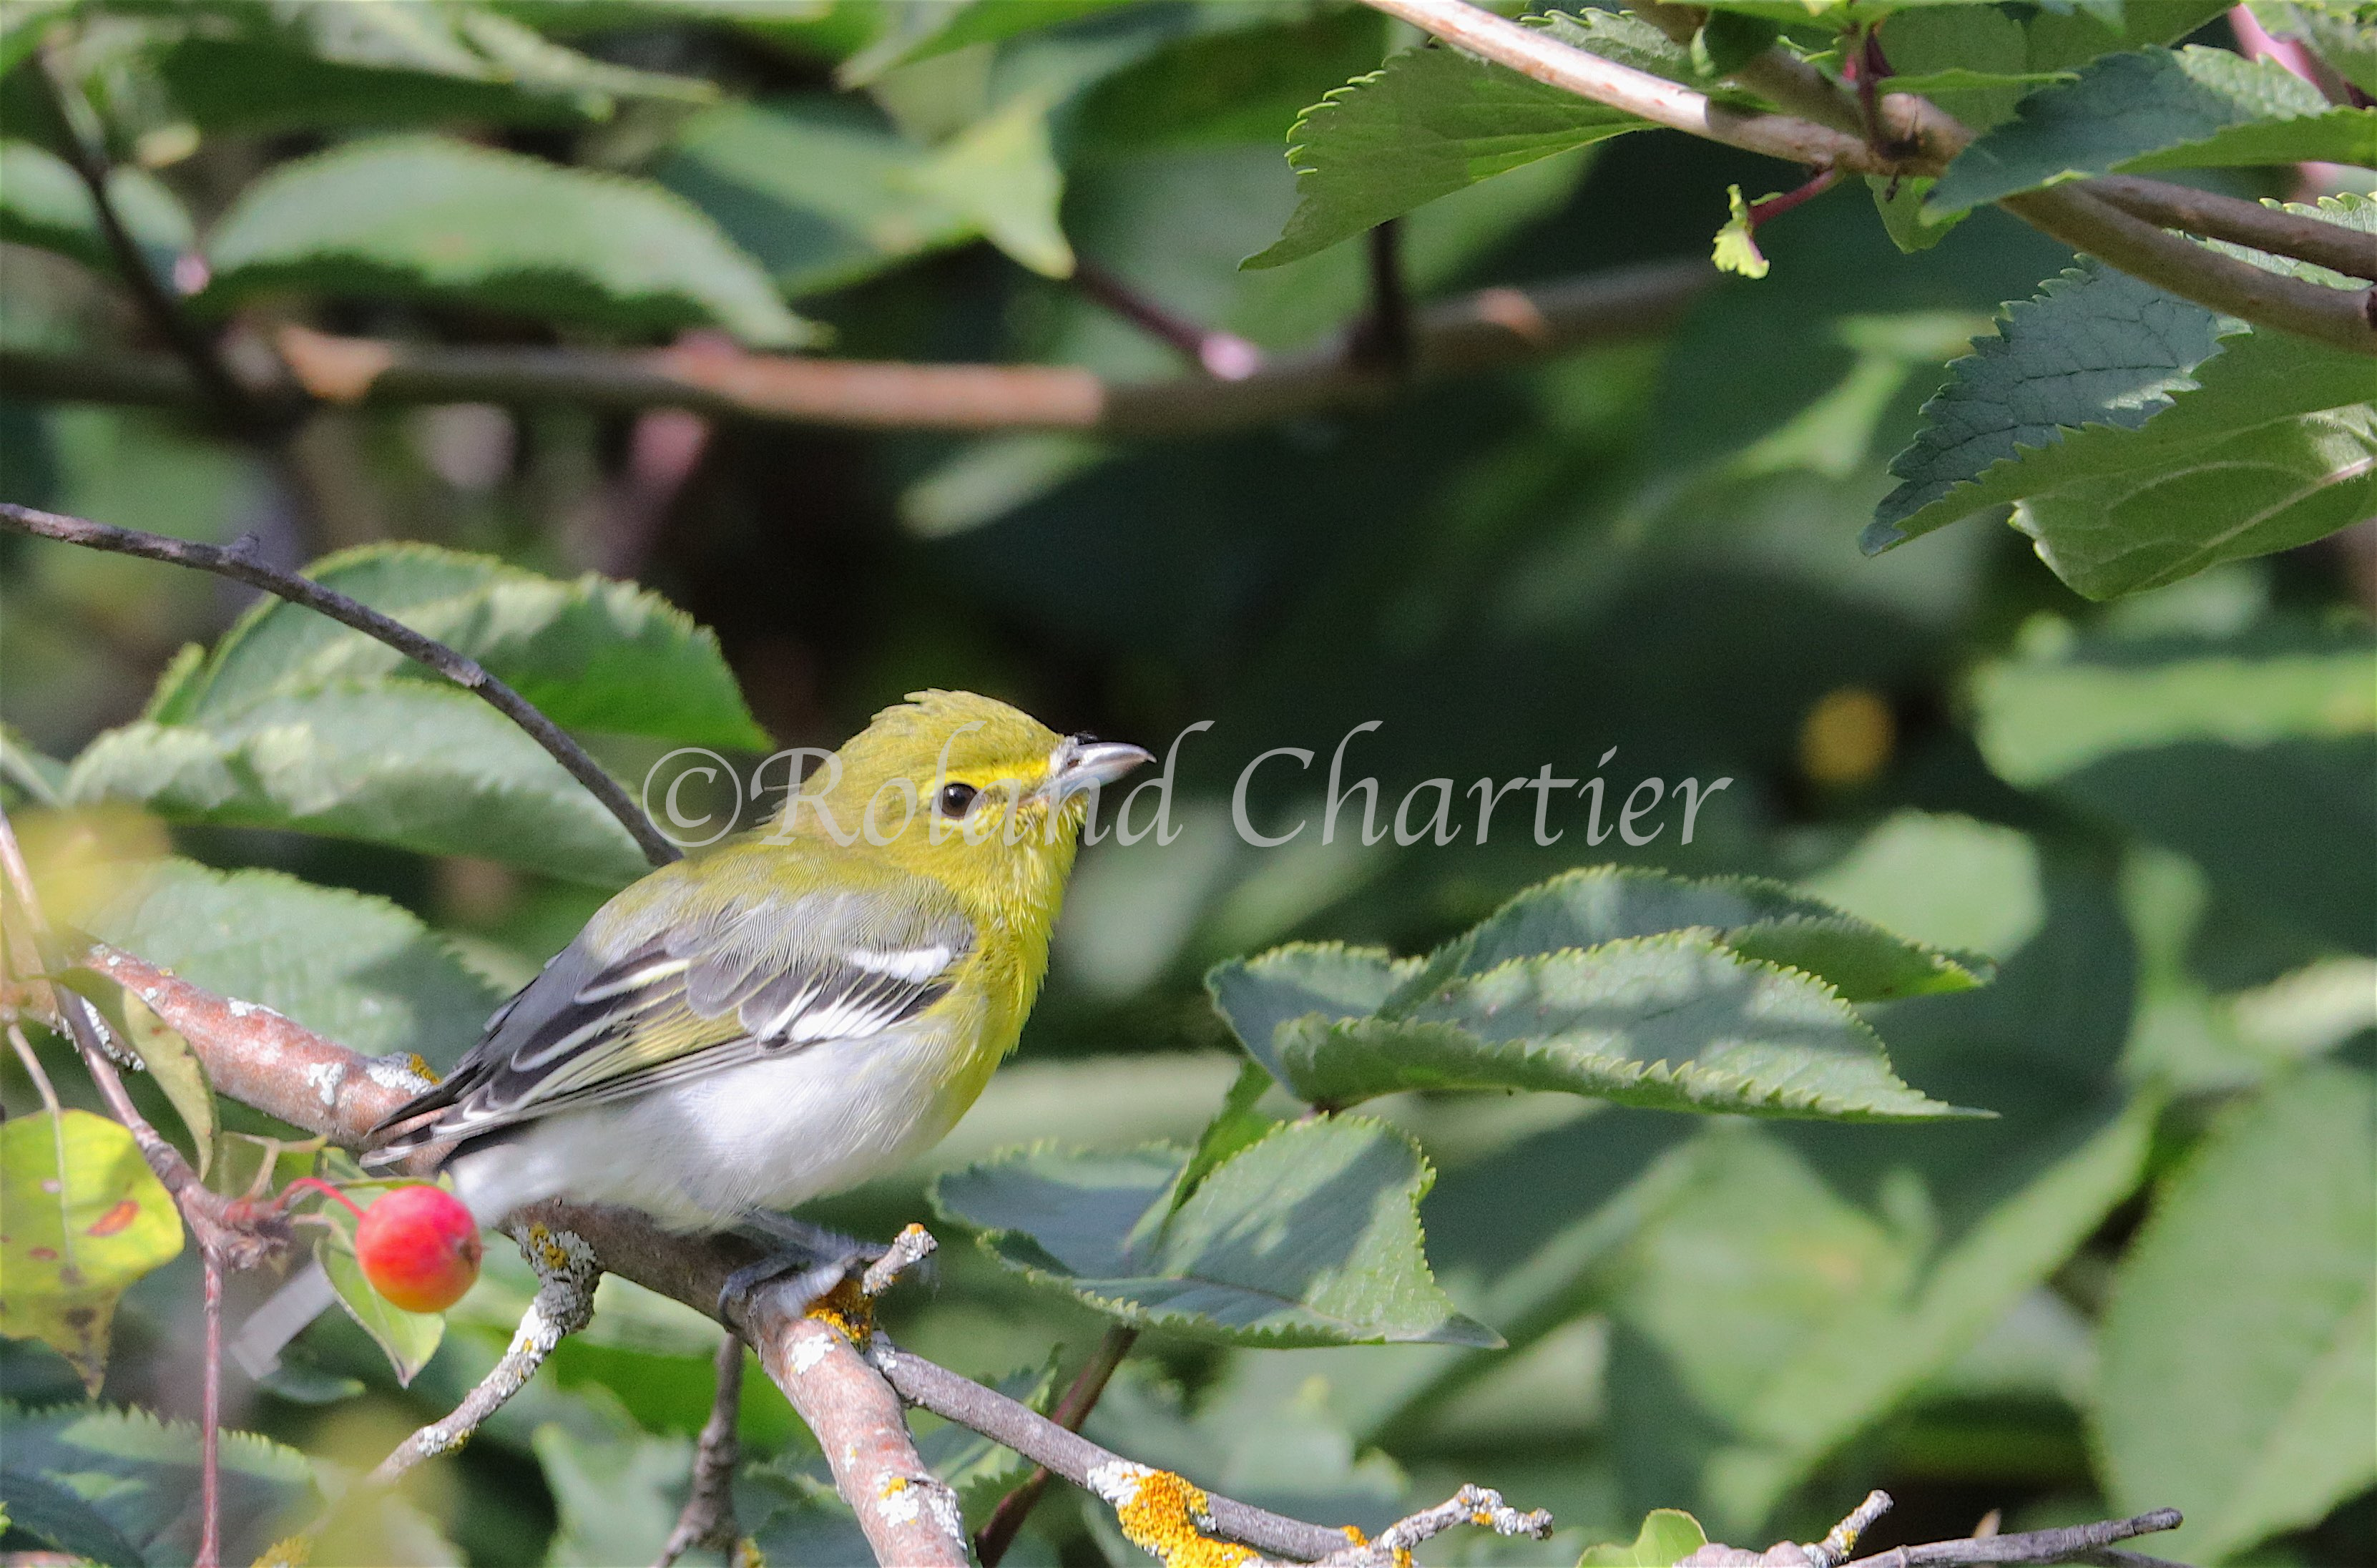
(242, 567)
(2219, 216)
(1465, 336)
(2340, 318)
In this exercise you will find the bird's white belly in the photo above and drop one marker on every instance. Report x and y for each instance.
(697, 1154)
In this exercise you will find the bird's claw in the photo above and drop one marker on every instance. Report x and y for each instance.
(808, 1281)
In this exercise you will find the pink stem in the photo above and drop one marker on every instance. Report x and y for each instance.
(211, 1424)
(1775, 206)
(318, 1185)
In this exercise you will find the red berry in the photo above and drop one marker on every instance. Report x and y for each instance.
(419, 1247)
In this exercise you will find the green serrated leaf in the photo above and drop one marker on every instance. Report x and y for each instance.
(1435, 120)
(401, 762)
(1614, 982)
(2342, 33)
(2156, 109)
(354, 968)
(81, 1217)
(1327, 980)
(1677, 1022)
(1757, 919)
(1667, 1537)
(1237, 1125)
(423, 217)
(140, 1475)
(2103, 376)
(2238, 1372)
(2268, 488)
(1310, 1236)
(317, 63)
(592, 654)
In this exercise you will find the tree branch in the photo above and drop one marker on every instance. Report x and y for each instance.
(2077, 1543)
(1831, 137)
(708, 1517)
(2250, 224)
(1536, 53)
(1223, 355)
(1478, 332)
(240, 565)
(1073, 1407)
(2340, 318)
(260, 1057)
(1384, 339)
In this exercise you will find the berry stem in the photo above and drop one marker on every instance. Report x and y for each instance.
(319, 1186)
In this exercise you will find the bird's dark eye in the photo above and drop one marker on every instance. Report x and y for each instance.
(955, 799)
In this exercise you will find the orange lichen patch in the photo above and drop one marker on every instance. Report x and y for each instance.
(1354, 1533)
(1162, 1514)
(847, 1311)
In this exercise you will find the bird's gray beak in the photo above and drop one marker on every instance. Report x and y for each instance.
(1079, 765)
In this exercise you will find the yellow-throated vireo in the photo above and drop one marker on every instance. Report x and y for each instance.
(792, 1013)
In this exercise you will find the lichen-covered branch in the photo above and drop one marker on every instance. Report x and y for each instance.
(568, 1273)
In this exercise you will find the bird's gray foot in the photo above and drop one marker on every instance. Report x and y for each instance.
(806, 1279)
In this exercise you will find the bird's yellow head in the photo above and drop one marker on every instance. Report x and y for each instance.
(969, 790)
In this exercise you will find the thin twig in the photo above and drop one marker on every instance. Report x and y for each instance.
(1037, 1438)
(1073, 1407)
(1481, 1506)
(1385, 339)
(1842, 1538)
(707, 1518)
(1223, 355)
(2073, 1544)
(211, 1421)
(567, 1273)
(1476, 332)
(242, 565)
